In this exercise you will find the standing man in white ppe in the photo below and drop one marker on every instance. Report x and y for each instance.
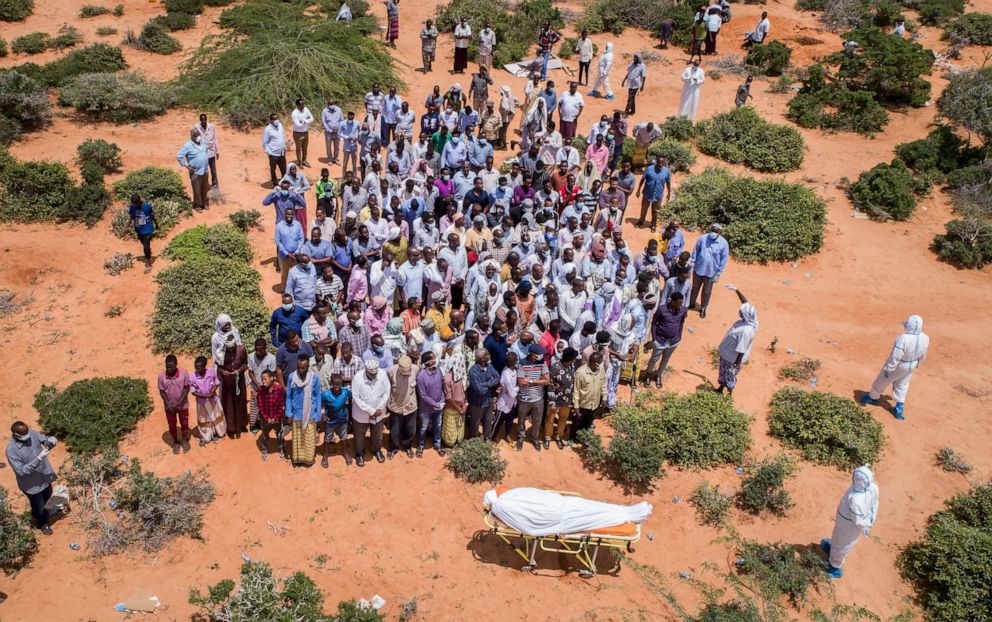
(907, 354)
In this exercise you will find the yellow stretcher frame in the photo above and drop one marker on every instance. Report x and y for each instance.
(583, 546)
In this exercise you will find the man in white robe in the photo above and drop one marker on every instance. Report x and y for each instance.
(692, 78)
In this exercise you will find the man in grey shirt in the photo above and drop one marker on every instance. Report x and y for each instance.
(27, 454)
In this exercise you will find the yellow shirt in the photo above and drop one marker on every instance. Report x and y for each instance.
(589, 390)
(442, 322)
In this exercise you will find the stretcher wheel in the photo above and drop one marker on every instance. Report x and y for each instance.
(527, 568)
(585, 574)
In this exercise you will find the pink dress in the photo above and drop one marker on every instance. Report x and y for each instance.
(209, 415)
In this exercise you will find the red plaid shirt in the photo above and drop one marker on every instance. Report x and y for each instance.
(546, 39)
(272, 402)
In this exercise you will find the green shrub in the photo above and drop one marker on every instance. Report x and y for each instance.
(967, 243)
(189, 7)
(566, 49)
(742, 136)
(952, 462)
(24, 105)
(678, 155)
(825, 428)
(167, 213)
(712, 506)
(769, 59)
(118, 10)
(225, 241)
(637, 449)
(106, 31)
(68, 37)
(155, 38)
(591, 451)
(260, 598)
(800, 370)
(36, 190)
(175, 21)
(937, 12)
(193, 293)
(889, 67)
(117, 98)
(305, 55)
(835, 107)
(965, 102)
(885, 192)
(96, 58)
(17, 540)
(887, 12)
(33, 43)
(677, 128)
(515, 31)
(152, 183)
(615, 15)
(93, 414)
(763, 488)
(950, 565)
(246, 220)
(15, 10)
(85, 203)
(703, 429)
(93, 10)
(781, 569)
(104, 154)
(477, 460)
(764, 220)
(975, 28)
(974, 175)
(942, 150)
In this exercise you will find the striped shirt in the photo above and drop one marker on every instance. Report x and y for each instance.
(531, 371)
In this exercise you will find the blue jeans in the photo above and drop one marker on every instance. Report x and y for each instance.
(428, 420)
(544, 64)
(617, 153)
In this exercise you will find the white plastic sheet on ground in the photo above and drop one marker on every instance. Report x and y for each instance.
(537, 512)
(523, 68)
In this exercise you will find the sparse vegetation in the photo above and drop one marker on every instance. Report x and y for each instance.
(96, 58)
(17, 540)
(770, 59)
(32, 43)
(15, 10)
(93, 414)
(777, 570)
(975, 28)
(515, 30)
(825, 428)
(764, 220)
(763, 488)
(152, 183)
(952, 462)
(93, 10)
(24, 107)
(712, 506)
(832, 106)
(155, 38)
(477, 460)
(105, 155)
(119, 263)
(106, 31)
(117, 97)
(801, 370)
(168, 212)
(964, 102)
(246, 220)
(35, 190)
(966, 243)
(678, 156)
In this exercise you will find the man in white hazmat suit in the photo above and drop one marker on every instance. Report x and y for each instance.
(907, 353)
(855, 516)
(602, 84)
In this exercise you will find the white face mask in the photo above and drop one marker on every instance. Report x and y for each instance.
(288, 306)
(714, 235)
(22, 437)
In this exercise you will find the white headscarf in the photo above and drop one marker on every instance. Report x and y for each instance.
(749, 314)
(304, 384)
(538, 114)
(218, 342)
(860, 502)
(507, 103)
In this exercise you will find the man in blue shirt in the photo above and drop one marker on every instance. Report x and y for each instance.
(319, 250)
(302, 282)
(482, 379)
(194, 158)
(709, 259)
(454, 152)
(495, 344)
(287, 317)
(143, 218)
(550, 98)
(289, 241)
(654, 182)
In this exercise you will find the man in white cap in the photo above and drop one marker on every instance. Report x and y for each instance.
(736, 345)
(856, 515)
(369, 396)
(709, 260)
(907, 354)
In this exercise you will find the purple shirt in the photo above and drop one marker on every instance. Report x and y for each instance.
(173, 388)
(520, 194)
(430, 390)
(666, 326)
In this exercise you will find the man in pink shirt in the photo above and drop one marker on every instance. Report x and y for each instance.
(173, 386)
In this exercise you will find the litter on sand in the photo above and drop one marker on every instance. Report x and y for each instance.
(142, 600)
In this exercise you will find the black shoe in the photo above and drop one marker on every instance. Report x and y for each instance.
(547, 443)
(692, 305)
(186, 446)
(536, 445)
(702, 312)
(46, 530)
(175, 448)
(360, 461)
(440, 450)
(520, 444)
(391, 454)
(409, 453)
(347, 460)
(380, 456)
(324, 463)
(560, 443)
(420, 452)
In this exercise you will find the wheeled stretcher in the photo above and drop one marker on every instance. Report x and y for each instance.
(582, 545)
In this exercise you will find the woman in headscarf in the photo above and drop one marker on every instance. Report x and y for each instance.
(378, 315)
(736, 345)
(218, 342)
(508, 105)
(303, 409)
(907, 354)
(622, 341)
(299, 184)
(233, 392)
(393, 338)
(602, 83)
(856, 515)
(204, 385)
(535, 123)
(455, 403)
(595, 269)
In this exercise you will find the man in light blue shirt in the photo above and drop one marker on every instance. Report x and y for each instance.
(390, 111)
(454, 153)
(194, 158)
(678, 282)
(332, 118)
(412, 275)
(480, 150)
(676, 241)
(350, 131)
(274, 144)
(319, 250)
(467, 118)
(709, 259)
(655, 180)
(289, 241)
(463, 181)
(301, 283)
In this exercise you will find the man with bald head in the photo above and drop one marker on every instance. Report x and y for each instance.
(27, 454)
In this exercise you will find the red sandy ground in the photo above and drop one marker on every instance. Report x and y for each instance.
(411, 530)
